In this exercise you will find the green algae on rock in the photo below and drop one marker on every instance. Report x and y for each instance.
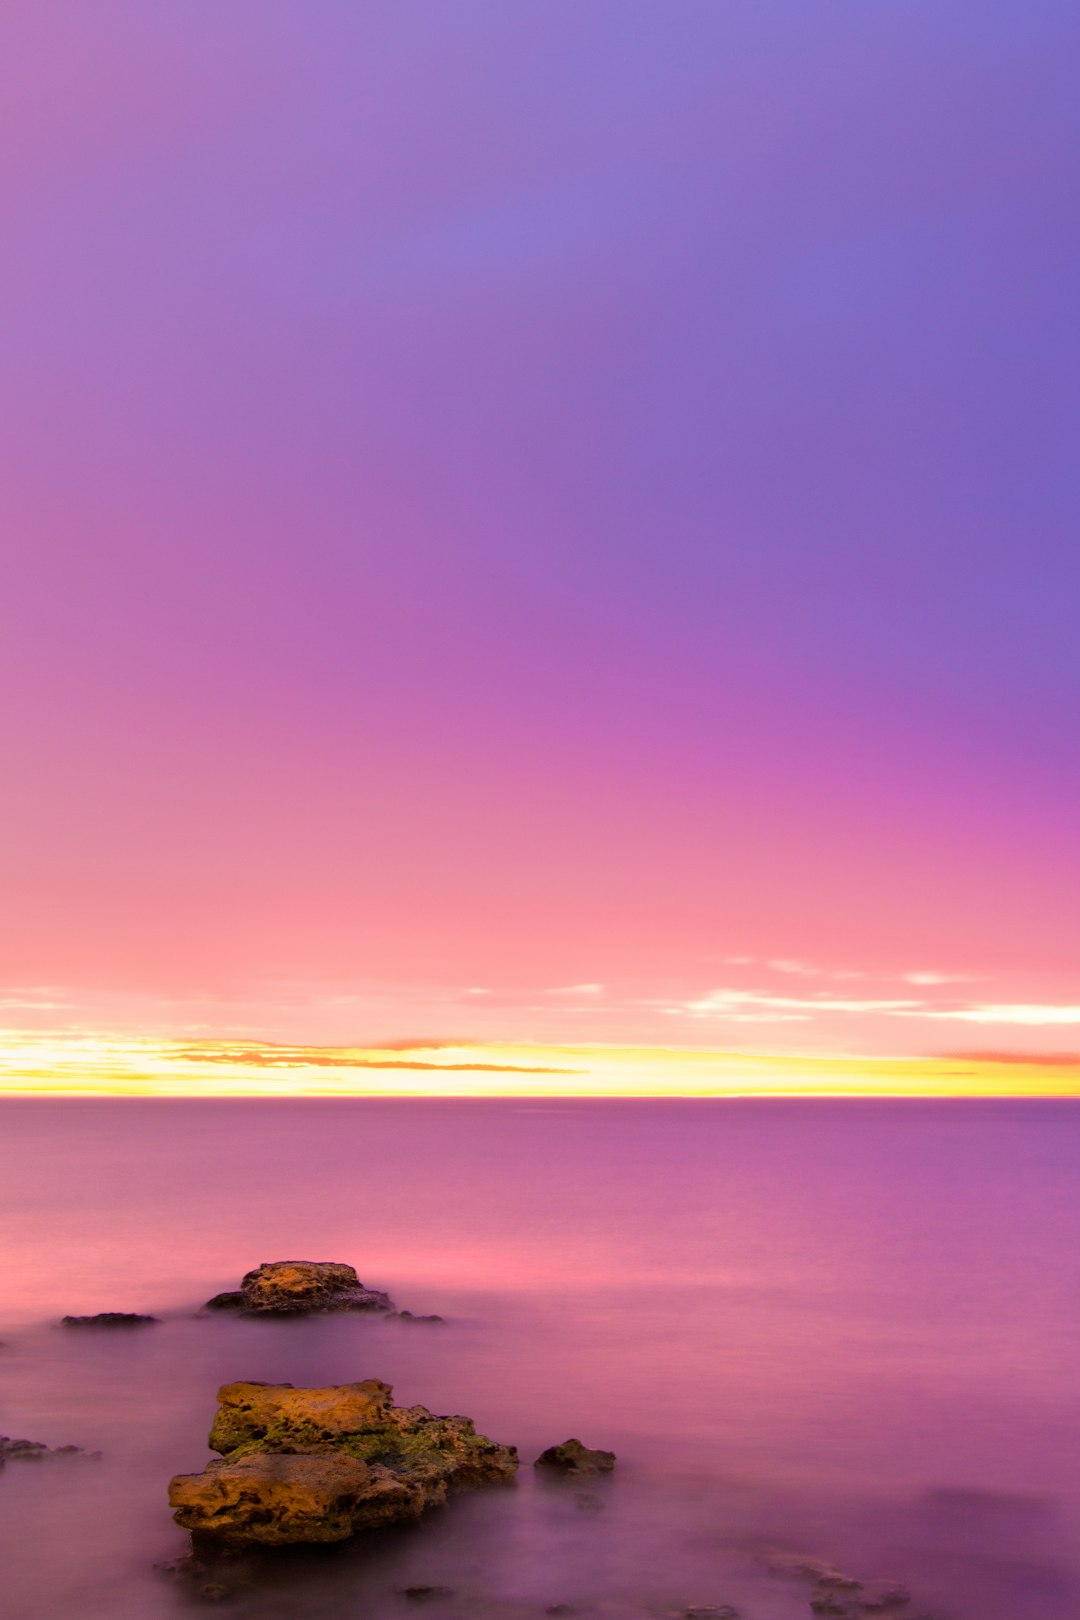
(321, 1464)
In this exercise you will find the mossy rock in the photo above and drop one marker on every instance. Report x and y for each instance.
(395, 1462)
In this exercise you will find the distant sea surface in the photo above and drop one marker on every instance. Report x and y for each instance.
(848, 1330)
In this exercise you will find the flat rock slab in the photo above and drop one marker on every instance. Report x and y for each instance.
(292, 1287)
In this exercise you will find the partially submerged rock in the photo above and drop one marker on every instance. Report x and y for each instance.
(321, 1464)
(281, 1498)
(290, 1287)
(836, 1594)
(36, 1450)
(573, 1458)
(109, 1319)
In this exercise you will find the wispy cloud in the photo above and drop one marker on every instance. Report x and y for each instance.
(728, 1003)
(1033, 1014)
(268, 1055)
(1039, 1060)
(930, 978)
(576, 990)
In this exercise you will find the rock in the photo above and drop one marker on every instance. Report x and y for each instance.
(424, 1594)
(407, 1316)
(834, 1605)
(321, 1464)
(882, 1597)
(574, 1458)
(289, 1287)
(280, 1498)
(795, 1566)
(847, 1599)
(109, 1319)
(35, 1450)
(214, 1592)
(723, 1612)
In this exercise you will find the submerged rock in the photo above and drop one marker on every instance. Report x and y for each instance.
(573, 1458)
(321, 1464)
(290, 1287)
(838, 1595)
(109, 1319)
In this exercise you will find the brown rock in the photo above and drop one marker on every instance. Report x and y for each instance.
(573, 1458)
(321, 1464)
(288, 1287)
(277, 1417)
(274, 1499)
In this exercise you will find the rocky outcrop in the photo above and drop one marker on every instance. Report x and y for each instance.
(322, 1464)
(290, 1287)
(574, 1458)
(109, 1319)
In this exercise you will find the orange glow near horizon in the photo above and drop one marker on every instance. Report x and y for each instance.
(121, 1066)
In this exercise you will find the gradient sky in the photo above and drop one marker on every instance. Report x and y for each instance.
(541, 522)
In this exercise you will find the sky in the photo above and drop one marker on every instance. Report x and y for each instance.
(540, 525)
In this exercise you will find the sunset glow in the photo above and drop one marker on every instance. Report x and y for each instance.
(177, 1069)
(581, 551)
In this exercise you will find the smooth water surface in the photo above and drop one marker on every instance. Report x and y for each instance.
(848, 1329)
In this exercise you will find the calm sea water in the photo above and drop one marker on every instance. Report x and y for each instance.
(849, 1330)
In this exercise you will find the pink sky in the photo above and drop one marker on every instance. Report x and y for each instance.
(541, 524)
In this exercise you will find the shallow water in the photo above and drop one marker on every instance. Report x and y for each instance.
(845, 1329)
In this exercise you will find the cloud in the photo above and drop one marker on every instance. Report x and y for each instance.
(1040, 1060)
(783, 965)
(267, 1055)
(576, 990)
(741, 1005)
(1029, 1013)
(729, 1003)
(937, 978)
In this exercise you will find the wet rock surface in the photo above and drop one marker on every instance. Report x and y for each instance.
(319, 1465)
(293, 1287)
(109, 1319)
(571, 1457)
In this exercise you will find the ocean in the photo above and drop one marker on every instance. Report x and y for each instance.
(845, 1331)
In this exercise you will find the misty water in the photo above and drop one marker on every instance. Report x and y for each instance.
(846, 1330)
